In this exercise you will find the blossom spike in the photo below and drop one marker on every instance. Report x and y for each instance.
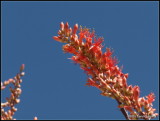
(102, 70)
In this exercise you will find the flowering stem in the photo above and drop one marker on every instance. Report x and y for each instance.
(103, 71)
(8, 108)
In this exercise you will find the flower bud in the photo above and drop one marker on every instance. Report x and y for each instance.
(136, 93)
(17, 101)
(14, 109)
(56, 38)
(128, 108)
(124, 82)
(66, 26)
(19, 91)
(9, 112)
(6, 83)
(35, 118)
(22, 74)
(3, 87)
(130, 89)
(22, 67)
(126, 75)
(75, 28)
(62, 26)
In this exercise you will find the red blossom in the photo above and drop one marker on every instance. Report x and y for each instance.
(57, 38)
(129, 108)
(69, 49)
(108, 52)
(62, 26)
(66, 26)
(75, 28)
(74, 59)
(136, 93)
(150, 98)
(124, 82)
(98, 41)
(88, 41)
(90, 82)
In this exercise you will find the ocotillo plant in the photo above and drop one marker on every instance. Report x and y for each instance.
(103, 71)
(8, 108)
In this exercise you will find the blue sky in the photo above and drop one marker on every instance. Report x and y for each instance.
(53, 87)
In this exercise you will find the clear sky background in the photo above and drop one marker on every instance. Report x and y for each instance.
(53, 87)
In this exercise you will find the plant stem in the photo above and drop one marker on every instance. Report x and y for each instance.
(123, 111)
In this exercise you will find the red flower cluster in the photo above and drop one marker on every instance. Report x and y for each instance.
(103, 72)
